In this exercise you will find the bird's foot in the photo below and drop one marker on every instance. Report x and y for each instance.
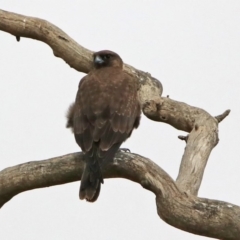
(125, 150)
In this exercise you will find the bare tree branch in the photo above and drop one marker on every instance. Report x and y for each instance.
(196, 215)
(222, 116)
(202, 138)
(177, 202)
(69, 50)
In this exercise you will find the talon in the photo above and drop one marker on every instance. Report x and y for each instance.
(126, 150)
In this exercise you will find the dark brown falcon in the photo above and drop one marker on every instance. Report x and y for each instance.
(104, 115)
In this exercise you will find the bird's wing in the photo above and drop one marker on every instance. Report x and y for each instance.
(107, 109)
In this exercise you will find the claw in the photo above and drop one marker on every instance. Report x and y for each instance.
(126, 150)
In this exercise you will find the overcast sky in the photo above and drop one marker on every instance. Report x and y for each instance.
(192, 47)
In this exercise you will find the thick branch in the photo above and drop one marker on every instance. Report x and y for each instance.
(196, 215)
(177, 203)
(202, 138)
(70, 51)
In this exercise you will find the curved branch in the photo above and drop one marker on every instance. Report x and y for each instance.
(177, 203)
(196, 215)
(202, 138)
(69, 50)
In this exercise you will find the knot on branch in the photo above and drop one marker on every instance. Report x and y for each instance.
(151, 109)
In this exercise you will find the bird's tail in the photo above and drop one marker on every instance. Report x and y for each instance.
(91, 180)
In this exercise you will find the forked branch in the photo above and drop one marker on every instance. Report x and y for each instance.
(177, 202)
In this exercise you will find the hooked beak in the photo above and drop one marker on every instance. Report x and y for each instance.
(98, 60)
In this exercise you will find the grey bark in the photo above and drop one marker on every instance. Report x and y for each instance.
(177, 201)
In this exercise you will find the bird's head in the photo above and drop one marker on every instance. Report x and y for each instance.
(107, 58)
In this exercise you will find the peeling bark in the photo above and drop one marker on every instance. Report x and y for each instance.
(177, 201)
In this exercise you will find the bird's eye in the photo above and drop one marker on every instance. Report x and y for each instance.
(107, 56)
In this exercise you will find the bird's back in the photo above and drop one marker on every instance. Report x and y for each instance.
(108, 108)
(105, 112)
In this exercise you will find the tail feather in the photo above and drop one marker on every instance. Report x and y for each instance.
(92, 176)
(91, 181)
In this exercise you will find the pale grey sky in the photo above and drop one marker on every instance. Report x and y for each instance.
(192, 47)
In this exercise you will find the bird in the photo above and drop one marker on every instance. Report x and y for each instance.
(105, 112)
